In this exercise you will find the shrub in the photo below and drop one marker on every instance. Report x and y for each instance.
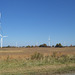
(37, 56)
(58, 45)
(53, 46)
(32, 46)
(28, 46)
(43, 45)
(54, 54)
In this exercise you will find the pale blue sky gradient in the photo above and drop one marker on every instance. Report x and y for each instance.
(30, 21)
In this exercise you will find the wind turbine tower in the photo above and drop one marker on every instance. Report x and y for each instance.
(2, 40)
(37, 44)
(49, 41)
(0, 18)
(16, 44)
(1, 34)
(0, 15)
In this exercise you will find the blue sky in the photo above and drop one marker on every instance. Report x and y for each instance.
(30, 21)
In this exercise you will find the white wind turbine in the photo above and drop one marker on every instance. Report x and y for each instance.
(2, 40)
(0, 18)
(37, 44)
(16, 44)
(49, 41)
(0, 33)
(0, 15)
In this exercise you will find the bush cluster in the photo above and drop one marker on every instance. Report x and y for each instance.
(37, 56)
(58, 45)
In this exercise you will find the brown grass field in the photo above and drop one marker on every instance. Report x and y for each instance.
(17, 61)
(22, 53)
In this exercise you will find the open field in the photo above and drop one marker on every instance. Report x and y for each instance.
(27, 52)
(37, 61)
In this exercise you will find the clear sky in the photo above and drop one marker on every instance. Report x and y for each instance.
(28, 22)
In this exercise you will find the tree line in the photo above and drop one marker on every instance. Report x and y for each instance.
(42, 45)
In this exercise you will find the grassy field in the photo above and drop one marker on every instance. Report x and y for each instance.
(37, 61)
(21, 53)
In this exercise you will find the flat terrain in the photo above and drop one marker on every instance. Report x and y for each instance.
(29, 61)
(22, 53)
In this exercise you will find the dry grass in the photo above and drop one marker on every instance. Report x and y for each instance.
(14, 61)
(22, 53)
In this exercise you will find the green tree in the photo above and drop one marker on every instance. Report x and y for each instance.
(32, 46)
(43, 45)
(28, 46)
(58, 45)
(53, 46)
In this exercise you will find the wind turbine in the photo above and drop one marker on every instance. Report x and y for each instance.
(0, 15)
(0, 18)
(16, 44)
(2, 40)
(49, 41)
(37, 44)
(0, 32)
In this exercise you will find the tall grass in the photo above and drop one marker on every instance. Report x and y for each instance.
(53, 59)
(38, 59)
(37, 56)
(35, 63)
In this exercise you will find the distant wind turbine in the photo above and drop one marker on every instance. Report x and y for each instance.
(16, 44)
(49, 41)
(37, 44)
(0, 17)
(2, 40)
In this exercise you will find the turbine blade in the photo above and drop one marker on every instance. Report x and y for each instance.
(0, 35)
(0, 15)
(5, 36)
